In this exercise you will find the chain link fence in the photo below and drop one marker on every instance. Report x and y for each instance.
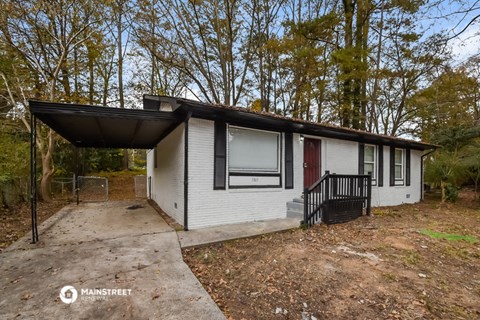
(92, 189)
(140, 186)
(63, 188)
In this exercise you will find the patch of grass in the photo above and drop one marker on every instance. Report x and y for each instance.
(460, 311)
(411, 258)
(386, 212)
(448, 236)
(390, 277)
(442, 284)
(459, 252)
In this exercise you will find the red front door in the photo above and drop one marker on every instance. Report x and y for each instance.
(311, 161)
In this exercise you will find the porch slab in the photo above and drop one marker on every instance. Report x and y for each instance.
(202, 237)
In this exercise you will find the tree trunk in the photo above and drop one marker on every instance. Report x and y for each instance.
(91, 80)
(47, 168)
(346, 107)
(373, 119)
(476, 189)
(442, 188)
(76, 73)
(120, 56)
(120, 71)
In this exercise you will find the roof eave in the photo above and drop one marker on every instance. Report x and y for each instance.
(205, 111)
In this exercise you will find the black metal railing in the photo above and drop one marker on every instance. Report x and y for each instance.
(336, 198)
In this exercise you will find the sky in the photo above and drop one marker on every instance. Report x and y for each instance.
(452, 18)
(448, 17)
(467, 44)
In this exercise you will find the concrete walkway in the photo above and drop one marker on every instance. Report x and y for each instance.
(200, 237)
(102, 246)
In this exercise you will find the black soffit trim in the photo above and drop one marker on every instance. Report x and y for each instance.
(235, 115)
(39, 108)
(104, 127)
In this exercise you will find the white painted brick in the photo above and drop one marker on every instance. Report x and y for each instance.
(208, 207)
(392, 196)
(340, 156)
(167, 178)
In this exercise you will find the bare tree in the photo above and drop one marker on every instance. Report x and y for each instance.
(209, 42)
(152, 75)
(43, 34)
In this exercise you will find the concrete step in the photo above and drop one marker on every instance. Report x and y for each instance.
(295, 209)
(298, 200)
(295, 206)
(295, 214)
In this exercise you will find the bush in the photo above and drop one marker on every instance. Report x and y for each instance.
(451, 193)
(13, 191)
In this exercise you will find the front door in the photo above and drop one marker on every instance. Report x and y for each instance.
(311, 164)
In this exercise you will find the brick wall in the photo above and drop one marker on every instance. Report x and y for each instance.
(167, 178)
(215, 207)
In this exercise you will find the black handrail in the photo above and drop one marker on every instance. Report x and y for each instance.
(337, 198)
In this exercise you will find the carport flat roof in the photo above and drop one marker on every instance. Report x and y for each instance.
(105, 127)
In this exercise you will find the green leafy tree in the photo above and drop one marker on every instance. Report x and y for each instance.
(14, 167)
(448, 102)
(453, 164)
(471, 162)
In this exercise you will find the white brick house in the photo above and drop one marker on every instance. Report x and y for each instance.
(221, 165)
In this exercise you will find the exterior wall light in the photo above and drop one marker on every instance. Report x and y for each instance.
(301, 138)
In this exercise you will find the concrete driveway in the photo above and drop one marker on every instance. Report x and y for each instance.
(123, 263)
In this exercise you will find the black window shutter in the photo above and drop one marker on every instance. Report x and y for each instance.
(361, 158)
(407, 168)
(288, 160)
(380, 166)
(220, 155)
(392, 166)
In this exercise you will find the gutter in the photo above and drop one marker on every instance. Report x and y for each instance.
(185, 174)
(422, 158)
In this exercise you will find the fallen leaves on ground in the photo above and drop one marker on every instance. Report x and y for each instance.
(370, 268)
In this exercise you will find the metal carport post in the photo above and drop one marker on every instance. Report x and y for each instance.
(33, 176)
(107, 128)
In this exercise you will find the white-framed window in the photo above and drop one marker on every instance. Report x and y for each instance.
(370, 160)
(252, 150)
(399, 164)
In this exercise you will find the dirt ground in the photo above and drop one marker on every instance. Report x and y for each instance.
(379, 267)
(15, 222)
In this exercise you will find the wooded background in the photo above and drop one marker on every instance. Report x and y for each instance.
(385, 66)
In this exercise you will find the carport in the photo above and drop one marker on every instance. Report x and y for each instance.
(98, 127)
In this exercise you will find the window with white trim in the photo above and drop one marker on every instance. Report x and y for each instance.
(251, 150)
(370, 160)
(399, 165)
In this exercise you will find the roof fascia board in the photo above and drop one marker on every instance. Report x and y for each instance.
(204, 111)
(39, 108)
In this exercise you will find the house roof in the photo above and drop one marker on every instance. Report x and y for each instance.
(248, 117)
(103, 127)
